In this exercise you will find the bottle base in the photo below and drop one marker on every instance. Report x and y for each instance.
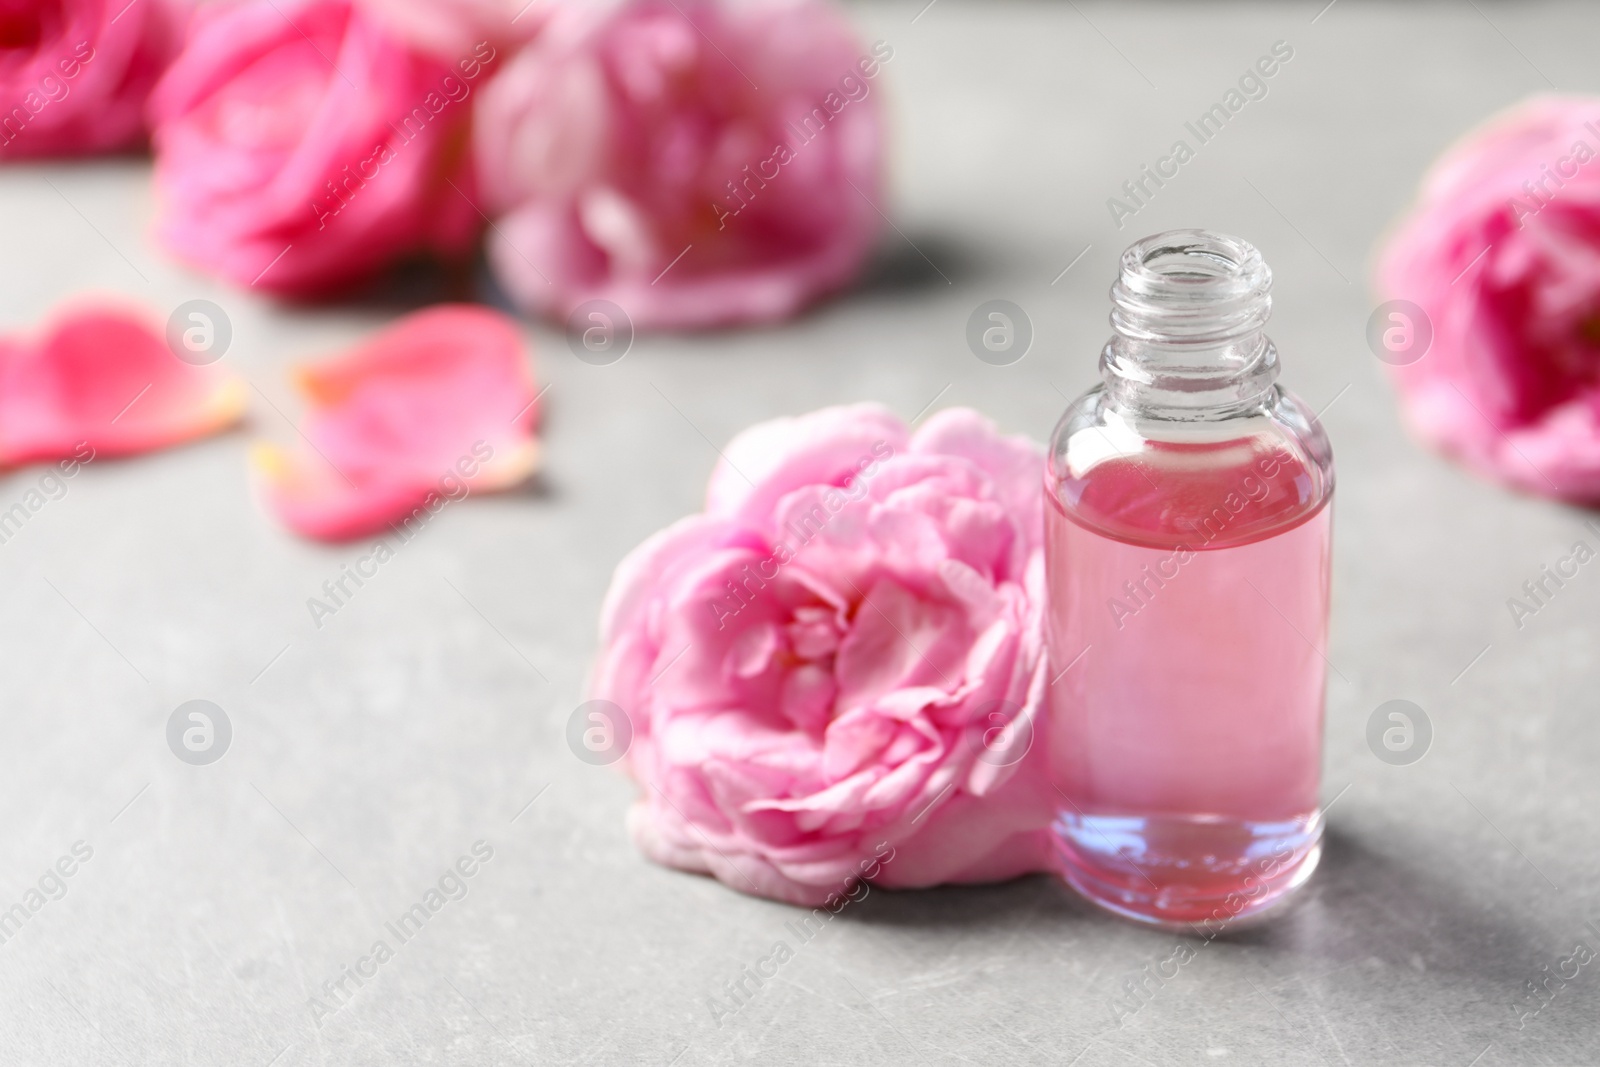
(1180, 872)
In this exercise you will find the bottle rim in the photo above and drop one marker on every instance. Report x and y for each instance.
(1191, 287)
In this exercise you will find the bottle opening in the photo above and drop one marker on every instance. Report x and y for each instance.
(1191, 287)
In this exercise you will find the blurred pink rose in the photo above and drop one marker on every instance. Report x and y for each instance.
(840, 660)
(1502, 254)
(693, 161)
(301, 148)
(74, 74)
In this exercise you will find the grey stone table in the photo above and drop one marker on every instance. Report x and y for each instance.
(371, 753)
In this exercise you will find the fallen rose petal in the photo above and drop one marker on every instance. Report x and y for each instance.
(105, 378)
(438, 406)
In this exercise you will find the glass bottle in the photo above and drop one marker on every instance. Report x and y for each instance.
(1187, 550)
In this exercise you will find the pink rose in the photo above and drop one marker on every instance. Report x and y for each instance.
(694, 162)
(74, 74)
(301, 148)
(835, 670)
(1502, 254)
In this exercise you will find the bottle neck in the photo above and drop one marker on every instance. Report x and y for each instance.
(1188, 314)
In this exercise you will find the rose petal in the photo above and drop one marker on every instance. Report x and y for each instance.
(451, 28)
(103, 377)
(898, 640)
(1011, 463)
(438, 406)
(752, 651)
(853, 739)
(770, 460)
(808, 695)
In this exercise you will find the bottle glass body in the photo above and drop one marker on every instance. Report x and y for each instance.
(1188, 539)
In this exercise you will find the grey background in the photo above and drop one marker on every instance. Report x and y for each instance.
(370, 754)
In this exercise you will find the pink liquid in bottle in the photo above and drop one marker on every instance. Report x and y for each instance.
(1188, 562)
